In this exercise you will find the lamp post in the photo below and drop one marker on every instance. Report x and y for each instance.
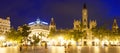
(2, 38)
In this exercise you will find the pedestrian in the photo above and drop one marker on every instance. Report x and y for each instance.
(45, 45)
(65, 45)
(20, 47)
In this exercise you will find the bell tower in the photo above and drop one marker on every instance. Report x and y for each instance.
(77, 25)
(52, 26)
(84, 18)
(115, 26)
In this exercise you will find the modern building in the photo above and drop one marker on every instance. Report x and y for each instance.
(4, 25)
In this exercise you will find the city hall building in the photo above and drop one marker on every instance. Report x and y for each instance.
(83, 25)
(80, 25)
(40, 28)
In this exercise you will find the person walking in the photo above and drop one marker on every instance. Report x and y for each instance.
(20, 47)
(45, 45)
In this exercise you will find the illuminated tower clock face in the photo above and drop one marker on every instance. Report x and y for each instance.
(85, 13)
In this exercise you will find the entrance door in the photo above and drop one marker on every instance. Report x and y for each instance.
(85, 43)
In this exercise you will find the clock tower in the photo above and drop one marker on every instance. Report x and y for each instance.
(84, 18)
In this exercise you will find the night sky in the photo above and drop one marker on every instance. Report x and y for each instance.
(63, 11)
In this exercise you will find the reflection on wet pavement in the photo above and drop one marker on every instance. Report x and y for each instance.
(61, 49)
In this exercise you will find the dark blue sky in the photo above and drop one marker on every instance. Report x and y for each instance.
(63, 11)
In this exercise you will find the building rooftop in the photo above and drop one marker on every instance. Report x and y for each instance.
(38, 22)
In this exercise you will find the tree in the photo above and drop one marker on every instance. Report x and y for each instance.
(53, 35)
(100, 32)
(13, 35)
(41, 36)
(77, 35)
(24, 31)
(68, 36)
(36, 39)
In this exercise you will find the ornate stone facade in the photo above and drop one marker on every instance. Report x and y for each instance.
(115, 26)
(39, 28)
(82, 26)
(4, 25)
(52, 26)
(84, 18)
(93, 24)
(77, 25)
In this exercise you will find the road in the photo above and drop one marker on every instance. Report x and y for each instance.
(61, 49)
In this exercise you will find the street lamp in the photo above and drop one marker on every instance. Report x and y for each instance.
(2, 38)
(96, 41)
(61, 40)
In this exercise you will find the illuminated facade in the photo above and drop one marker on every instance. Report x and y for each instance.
(39, 28)
(79, 25)
(4, 25)
(85, 26)
(84, 18)
(52, 26)
(115, 26)
(91, 36)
